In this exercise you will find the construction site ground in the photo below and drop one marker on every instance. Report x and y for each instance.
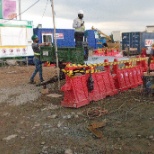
(36, 123)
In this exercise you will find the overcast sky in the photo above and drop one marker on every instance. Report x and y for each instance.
(106, 15)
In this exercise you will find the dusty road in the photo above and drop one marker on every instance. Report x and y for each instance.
(32, 123)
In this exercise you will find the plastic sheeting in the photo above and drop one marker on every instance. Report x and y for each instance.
(100, 59)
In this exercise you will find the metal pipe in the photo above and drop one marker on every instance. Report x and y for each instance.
(55, 41)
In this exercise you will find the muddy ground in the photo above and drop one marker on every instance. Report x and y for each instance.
(33, 123)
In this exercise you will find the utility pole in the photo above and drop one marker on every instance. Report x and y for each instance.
(19, 12)
(55, 42)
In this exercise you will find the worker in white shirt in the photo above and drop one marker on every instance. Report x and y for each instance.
(78, 25)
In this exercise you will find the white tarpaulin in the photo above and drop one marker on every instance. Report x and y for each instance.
(13, 36)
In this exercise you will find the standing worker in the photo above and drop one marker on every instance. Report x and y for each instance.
(151, 57)
(79, 26)
(36, 60)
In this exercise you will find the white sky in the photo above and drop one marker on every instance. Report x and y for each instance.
(106, 15)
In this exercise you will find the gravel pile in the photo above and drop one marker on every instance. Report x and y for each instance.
(20, 95)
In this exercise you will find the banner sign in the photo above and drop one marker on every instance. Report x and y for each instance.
(149, 42)
(14, 51)
(15, 39)
(15, 23)
(9, 9)
(59, 35)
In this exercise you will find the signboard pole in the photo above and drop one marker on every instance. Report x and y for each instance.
(55, 42)
(1, 15)
(1, 10)
(19, 2)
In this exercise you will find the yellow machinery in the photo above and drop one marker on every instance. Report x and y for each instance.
(109, 40)
(101, 33)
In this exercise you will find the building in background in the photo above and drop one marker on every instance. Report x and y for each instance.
(150, 29)
(116, 36)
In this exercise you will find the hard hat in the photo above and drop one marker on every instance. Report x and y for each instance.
(80, 12)
(34, 37)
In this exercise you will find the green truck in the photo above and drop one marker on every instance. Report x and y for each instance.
(65, 55)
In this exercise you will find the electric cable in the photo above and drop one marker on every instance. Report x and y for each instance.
(45, 9)
(29, 7)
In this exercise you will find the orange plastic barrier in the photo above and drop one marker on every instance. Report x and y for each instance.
(139, 75)
(152, 66)
(119, 81)
(144, 64)
(132, 77)
(128, 78)
(106, 52)
(76, 93)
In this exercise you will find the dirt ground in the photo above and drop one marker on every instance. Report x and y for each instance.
(32, 123)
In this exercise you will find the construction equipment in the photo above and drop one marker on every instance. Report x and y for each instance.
(101, 33)
(109, 40)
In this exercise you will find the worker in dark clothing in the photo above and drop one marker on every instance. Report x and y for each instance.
(78, 25)
(151, 57)
(36, 59)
